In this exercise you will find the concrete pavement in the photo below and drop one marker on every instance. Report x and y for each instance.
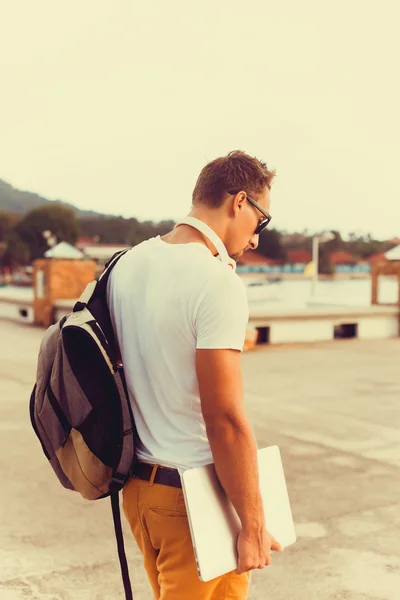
(334, 410)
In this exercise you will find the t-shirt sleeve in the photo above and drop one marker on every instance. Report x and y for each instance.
(222, 315)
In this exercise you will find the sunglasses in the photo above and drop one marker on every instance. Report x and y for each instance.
(264, 223)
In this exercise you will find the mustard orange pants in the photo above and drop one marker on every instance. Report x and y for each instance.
(157, 516)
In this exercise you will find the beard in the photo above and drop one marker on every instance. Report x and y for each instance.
(237, 255)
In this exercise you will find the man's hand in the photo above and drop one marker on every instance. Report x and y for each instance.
(254, 549)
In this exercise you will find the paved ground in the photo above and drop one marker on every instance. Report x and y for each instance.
(334, 409)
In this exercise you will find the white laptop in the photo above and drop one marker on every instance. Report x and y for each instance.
(214, 523)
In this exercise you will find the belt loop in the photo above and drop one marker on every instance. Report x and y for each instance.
(153, 475)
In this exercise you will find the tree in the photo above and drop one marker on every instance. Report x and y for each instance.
(110, 230)
(58, 219)
(7, 223)
(15, 253)
(270, 244)
(335, 244)
(117, 230)
(365, 246)
(148, 229)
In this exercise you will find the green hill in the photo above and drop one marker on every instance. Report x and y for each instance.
(19, 202)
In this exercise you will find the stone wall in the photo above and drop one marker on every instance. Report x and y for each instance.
(56, 279)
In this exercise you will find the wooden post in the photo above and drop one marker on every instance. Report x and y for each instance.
(398, 281)
(375, 283)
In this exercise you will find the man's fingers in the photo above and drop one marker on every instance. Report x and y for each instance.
(248, 562)
(275, 545)
(267, 560)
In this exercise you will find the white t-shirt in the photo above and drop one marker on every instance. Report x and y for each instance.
(165, 301)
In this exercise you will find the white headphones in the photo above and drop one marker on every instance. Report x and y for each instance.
(212, 236)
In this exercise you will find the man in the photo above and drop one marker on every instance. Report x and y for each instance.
(180, 314)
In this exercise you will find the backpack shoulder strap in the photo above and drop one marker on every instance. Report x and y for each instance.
(104, 277)
(120, 544)
(110, 265)
(96, 288)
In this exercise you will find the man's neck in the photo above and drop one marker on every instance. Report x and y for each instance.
(185, 234)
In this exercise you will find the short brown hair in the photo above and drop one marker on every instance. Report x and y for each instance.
(236, 171)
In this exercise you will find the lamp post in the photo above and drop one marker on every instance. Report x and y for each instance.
(317, 239)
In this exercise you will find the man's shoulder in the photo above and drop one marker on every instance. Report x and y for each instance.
(223, 282)
(225, 273)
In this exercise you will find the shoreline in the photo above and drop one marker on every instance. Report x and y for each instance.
(301, 277)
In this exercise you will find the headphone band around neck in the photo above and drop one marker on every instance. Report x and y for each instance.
(210, 234)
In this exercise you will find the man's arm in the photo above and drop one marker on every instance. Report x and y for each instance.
(234, 450)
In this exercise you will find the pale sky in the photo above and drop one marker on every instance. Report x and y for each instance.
(116, 105)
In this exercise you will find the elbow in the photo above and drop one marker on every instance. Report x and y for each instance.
(226, 426)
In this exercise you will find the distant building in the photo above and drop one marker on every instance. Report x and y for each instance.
(393, 254)
(296, 261)
(374, 258)
(300, 257)
(253, 262)
(64, 250)
(85, 241)
(100, 253)
(391, 246)
(342, 258)
(345, 262)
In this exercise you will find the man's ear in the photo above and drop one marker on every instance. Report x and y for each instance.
(239, 202)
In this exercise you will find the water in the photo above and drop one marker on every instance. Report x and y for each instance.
(290, 293)
(347, 292)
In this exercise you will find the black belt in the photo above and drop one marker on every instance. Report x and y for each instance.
(163, 476)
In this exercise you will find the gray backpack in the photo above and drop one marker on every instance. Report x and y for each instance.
(80, 408)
